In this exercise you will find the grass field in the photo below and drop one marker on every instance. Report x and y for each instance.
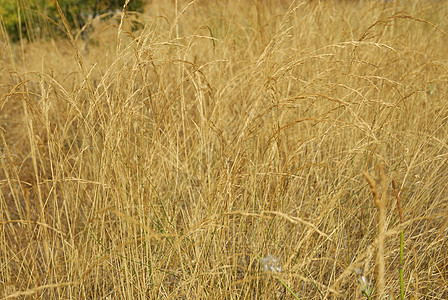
(223, 150)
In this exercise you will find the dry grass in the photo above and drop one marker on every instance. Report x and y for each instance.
(172, 162)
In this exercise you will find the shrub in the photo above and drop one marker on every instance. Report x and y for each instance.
(27, 19)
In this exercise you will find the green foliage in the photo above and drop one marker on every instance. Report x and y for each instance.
(36, 18)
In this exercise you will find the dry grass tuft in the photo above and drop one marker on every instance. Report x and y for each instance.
(177, 159)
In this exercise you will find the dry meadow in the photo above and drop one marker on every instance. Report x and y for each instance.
(245, 149)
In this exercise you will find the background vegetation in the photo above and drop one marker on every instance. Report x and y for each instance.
(219, 152)
(34, 19)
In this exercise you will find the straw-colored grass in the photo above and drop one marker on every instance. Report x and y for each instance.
(181, 159)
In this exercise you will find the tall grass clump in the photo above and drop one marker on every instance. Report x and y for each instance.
(211, 149)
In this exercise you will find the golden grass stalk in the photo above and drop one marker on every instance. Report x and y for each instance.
(380, 203)
(400, 211)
